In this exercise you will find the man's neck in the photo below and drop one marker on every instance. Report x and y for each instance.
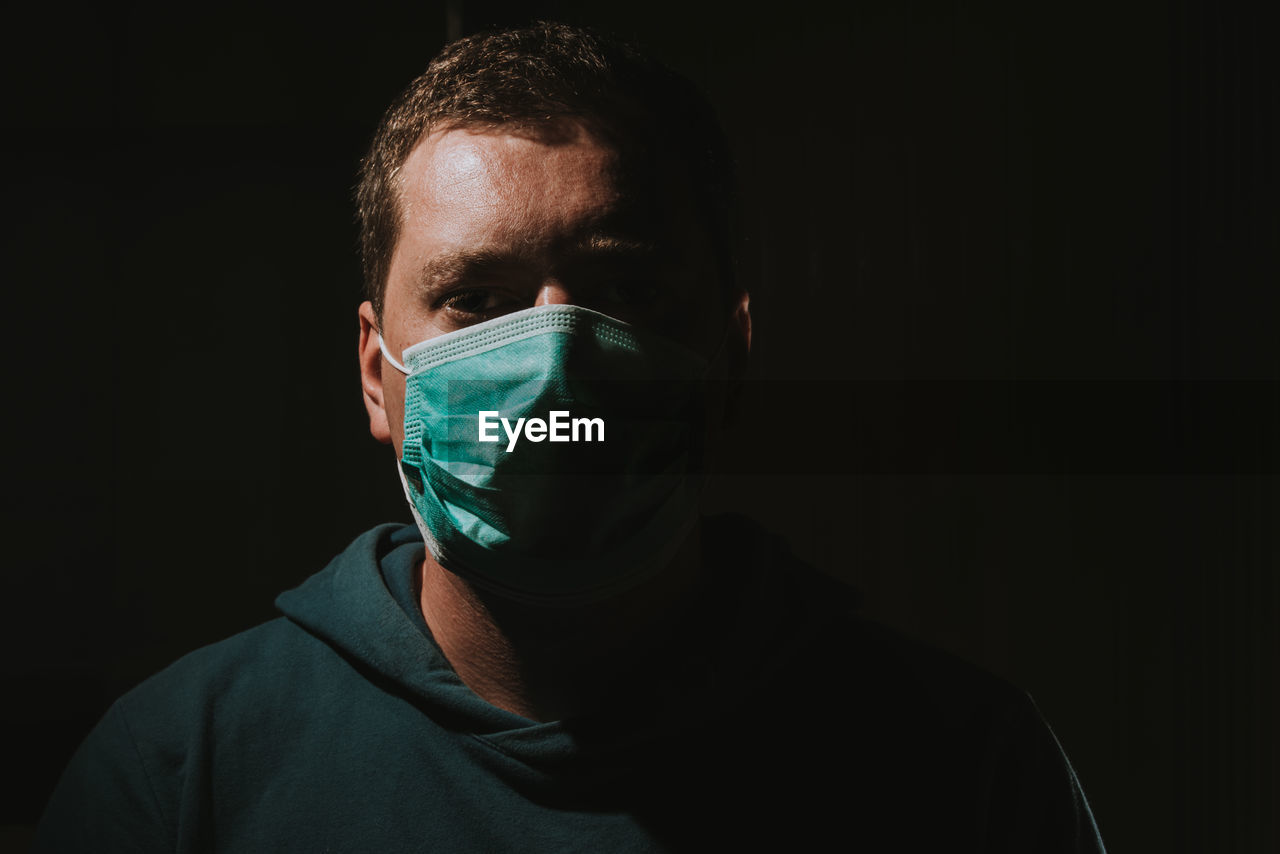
(552, 662)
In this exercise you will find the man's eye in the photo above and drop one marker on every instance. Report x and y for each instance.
(633, 292)
(469, 302)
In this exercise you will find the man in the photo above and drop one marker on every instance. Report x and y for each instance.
(561, 655)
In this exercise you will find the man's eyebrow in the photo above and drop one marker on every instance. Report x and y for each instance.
(448, 269)
(609, 244)
(443, 272)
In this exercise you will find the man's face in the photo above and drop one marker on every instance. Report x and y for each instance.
(496, 221)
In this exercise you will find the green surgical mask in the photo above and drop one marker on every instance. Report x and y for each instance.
(553, 453)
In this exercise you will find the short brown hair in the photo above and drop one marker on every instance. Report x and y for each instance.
(534, 76)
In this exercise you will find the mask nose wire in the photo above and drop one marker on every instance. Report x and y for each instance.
(386, 355)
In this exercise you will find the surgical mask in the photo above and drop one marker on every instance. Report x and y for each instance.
(554, 453)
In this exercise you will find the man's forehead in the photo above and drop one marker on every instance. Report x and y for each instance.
(520, 187)
(470, 166)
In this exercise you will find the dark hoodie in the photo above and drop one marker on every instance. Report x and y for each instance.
(782, 721)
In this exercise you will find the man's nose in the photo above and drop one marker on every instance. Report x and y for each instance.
(553, 293)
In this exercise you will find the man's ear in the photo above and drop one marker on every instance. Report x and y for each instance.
(742, 324)
(740, 348)
(371, 375)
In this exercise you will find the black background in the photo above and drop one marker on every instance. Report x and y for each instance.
(1028, 253)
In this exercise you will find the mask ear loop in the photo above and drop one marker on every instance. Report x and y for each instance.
(383, 347)
(427, 537)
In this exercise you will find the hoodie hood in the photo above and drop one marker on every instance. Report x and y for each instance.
(355, 606)
(758, 608)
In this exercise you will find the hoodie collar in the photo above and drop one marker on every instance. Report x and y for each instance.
(759, 608)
